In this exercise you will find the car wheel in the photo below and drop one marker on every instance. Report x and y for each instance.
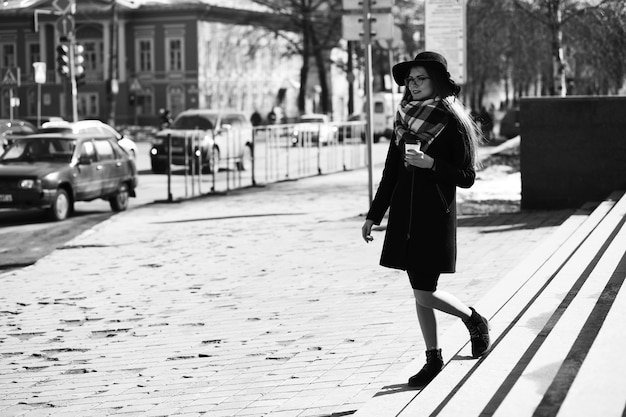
(61, 206)
(119, 202)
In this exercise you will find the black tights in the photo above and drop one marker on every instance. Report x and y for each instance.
(423, 280)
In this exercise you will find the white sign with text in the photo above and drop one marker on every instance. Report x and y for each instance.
(446, 33)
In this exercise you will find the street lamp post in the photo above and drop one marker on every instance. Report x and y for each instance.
(113, 83)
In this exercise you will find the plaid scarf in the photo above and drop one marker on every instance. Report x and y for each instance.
(423, 120)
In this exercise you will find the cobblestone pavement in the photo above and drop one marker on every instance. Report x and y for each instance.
(262, 302)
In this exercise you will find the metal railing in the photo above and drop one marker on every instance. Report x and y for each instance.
(276, 153)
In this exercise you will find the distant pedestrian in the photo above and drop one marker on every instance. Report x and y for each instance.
(271, 117)
(256, 118)
(432, 151)
(486, 123)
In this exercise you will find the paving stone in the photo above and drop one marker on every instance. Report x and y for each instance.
(250, 303)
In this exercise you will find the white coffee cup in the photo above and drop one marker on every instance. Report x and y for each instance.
(415, 146)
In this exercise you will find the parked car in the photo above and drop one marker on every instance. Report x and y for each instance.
(313, 128)
(94, 127)
(14, 128)
(212, 138)
(54, 170)
(351, 130)
(510, 124)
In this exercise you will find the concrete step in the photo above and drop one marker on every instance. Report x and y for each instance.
(520, 308)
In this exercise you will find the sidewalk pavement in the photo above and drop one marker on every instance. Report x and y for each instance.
(262, 302)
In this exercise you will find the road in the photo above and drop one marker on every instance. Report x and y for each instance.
(28, 235)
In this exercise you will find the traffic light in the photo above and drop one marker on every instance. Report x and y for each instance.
(132, 99)
(79, 64)
(63, 60)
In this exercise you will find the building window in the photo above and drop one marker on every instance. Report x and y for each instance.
(94, 58)
(34, 55)
(145, 54)
(174, 49)
(176, 100)
(90, 54)
(145, 102)
(8, 58)
(88, 105)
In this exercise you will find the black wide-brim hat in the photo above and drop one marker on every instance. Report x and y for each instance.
(431, 59)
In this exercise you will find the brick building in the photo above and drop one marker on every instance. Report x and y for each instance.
(175, 55)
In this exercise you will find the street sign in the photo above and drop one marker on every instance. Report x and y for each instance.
(445, 32)
(62, 6)
(358, 4)
(40, 72)
(352, 25)
(11, 76)
(135, 86)
(381, 26)
(65, 24)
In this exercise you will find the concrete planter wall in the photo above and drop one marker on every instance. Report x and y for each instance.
(573, 150)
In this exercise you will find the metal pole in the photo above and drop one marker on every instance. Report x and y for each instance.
(73, 80)
(38, 105)
(252, 149)
(11, 103)
(114, 64)
(169, 168)
(368, 94)
(393, 86)
(72, 39)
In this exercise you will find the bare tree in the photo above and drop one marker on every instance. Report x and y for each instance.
(597, 42)
(554, 14)
(319, 23)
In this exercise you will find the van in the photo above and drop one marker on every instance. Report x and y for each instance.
(382, 115)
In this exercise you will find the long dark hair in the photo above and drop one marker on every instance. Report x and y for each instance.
(448, 91)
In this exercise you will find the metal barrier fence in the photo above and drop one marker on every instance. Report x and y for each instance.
(277, 153)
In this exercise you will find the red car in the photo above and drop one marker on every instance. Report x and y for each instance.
(54, 170)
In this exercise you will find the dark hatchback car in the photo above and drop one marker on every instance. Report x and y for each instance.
(54, 170)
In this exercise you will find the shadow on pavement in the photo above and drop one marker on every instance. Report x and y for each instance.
(520, 220)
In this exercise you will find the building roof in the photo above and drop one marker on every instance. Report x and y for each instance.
(249, 5)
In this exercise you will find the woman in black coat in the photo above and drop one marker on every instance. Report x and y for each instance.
(432, 151)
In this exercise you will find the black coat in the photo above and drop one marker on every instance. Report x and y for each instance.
(421, 230)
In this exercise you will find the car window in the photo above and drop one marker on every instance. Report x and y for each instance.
(87, 150)
(104, 150)
(233, 120)
(40, 149)
(195, 121)
(62, 148)
(14, 152)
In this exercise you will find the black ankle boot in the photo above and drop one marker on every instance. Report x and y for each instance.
(478, 327)
(434, 363)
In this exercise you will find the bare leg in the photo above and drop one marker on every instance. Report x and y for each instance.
(428, 325)
(442, 301)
